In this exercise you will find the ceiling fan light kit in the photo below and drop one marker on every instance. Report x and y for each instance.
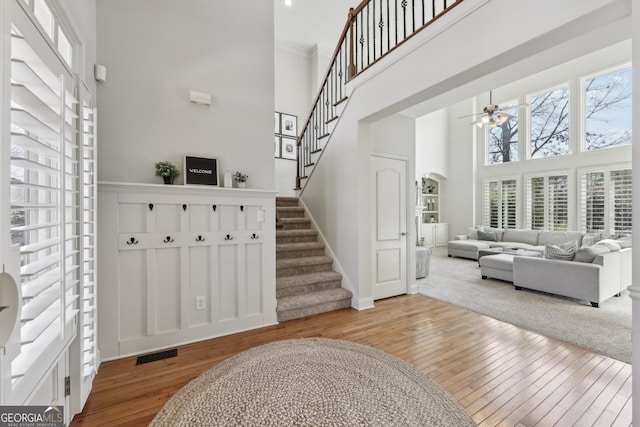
(493, 115)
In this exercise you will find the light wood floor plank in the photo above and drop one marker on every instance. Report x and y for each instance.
(502, 375)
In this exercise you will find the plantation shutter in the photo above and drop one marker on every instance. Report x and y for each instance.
(89, 203)
(535, 203)
(606, 200)
(592, 195)
(500, 207)
(491, 203)
(44, 205)
(508, 204)
(558, 196)
(620, 202)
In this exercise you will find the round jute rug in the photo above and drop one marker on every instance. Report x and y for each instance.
(312, 382)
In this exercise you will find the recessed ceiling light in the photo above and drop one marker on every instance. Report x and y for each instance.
(288, 2)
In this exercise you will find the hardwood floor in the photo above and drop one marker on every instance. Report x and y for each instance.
(501, 375)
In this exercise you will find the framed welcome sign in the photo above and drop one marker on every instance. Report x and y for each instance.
(200, 171)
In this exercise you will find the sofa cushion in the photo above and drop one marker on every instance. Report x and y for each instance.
(625, 241)
(613, 245)
(472, 233)
(589, 253)
(563, 251)
(487, 235)
(467, 245)
(522, 236)
(557, 237)
(591, 238)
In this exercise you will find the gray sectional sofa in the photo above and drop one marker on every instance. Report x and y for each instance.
(601, 269)
(467, 246)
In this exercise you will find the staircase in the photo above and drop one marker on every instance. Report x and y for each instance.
(305, 281)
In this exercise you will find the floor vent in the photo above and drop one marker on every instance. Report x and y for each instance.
(157, 356)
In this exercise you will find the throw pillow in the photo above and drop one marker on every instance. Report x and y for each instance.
(589, 253)
(563, 251)
(613, 245)
(487, 235)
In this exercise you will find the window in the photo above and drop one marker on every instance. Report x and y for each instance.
(503, 140)
(548, 202)
(549, 122)
(500, 201)
(64, 47)
(608, 110)
(44, 17)
(606, 200)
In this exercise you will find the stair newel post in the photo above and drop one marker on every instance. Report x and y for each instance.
(352, 42)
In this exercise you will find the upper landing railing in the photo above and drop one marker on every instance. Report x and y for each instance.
(373, 30)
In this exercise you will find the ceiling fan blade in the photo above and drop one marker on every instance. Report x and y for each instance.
(511, 107)
(470, 115)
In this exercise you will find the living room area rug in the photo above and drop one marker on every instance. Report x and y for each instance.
(312, 382)
(605, 330)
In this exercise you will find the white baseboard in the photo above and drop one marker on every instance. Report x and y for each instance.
(363, 304)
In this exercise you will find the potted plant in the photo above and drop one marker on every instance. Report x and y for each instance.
(167, 170)
(240, 179)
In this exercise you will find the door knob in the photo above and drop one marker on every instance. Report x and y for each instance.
(403, 233)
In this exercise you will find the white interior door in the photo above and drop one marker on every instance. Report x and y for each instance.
(389, 226)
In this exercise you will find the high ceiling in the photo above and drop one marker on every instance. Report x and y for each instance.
(308, 22)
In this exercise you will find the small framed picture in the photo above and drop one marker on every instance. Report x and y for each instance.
(288, 125)
(276, 125)
(277, 145)
(288, 149)
(200, 171)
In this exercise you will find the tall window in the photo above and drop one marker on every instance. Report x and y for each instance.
(548, 202)
(549, 123)
(608, 110)
(606, 200)
(503, 140)
(500, 197)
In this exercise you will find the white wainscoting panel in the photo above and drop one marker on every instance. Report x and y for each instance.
(182, 264)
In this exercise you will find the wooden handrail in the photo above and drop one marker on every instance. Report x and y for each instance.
(345, 65)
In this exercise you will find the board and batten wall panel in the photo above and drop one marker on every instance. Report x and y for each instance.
(172, 245)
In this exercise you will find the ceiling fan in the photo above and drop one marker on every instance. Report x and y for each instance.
(493, 115)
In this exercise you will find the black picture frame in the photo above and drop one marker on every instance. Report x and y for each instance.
(288, 125)
(200, 171)
(288, 149)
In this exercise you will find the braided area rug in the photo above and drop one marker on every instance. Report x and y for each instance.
(312, 382)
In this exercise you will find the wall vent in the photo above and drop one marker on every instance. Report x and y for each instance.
(157, 356)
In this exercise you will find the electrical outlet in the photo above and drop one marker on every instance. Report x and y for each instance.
(201, 303)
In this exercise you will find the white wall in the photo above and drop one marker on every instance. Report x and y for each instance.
(432, 145)
(338, 192)
(155, 52)
(293, 76)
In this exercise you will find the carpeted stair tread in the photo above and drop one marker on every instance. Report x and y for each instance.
(290, 211)
(303, 262)
(307, 279)
(288, 233)
(296, 223)
(286, 201)
(312, 298)
(286, 247)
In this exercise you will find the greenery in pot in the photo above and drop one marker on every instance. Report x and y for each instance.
(240, 177)
(166, 169)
